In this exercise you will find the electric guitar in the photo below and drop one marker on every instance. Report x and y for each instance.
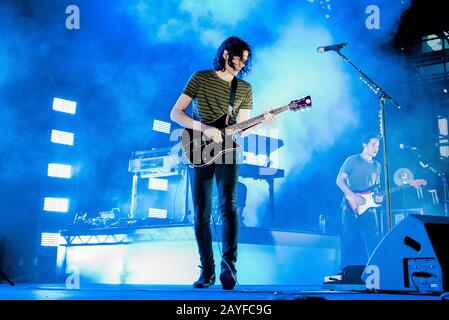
(369, 195)
(199, 151)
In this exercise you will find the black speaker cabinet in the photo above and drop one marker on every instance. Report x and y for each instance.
(413, 256)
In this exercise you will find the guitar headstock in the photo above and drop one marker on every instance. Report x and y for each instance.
(418, 183)
(302, 104)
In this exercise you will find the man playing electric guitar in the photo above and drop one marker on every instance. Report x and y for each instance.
(211, 92)
(360, 234)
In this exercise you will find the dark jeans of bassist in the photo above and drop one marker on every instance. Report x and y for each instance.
(202, 179)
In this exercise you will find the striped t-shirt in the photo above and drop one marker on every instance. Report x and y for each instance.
(210, 96)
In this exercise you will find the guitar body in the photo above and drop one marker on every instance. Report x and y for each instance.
(369, 203)
(199, 151)
(369, 195)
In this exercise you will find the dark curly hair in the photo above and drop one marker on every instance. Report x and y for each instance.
(366, 138)
(235, 47)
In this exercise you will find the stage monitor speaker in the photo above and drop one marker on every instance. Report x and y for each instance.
(413, 256)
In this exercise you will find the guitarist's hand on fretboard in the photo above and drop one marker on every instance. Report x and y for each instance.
(268, 117)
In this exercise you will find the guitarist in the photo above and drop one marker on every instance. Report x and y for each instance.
(360, 234)
(210, 92)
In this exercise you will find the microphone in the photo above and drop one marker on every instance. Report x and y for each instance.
(334, 47)
(404, 146)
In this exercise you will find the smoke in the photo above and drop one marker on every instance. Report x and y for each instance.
(189, 20)
(131, 59)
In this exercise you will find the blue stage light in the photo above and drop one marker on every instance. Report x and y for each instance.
(49, 239)
(161, 126)
(158, 184)
(157, 213)
(59, 170)
(62, 105)
(56, 204)
(62, 137)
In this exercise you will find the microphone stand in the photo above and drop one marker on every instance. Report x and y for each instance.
(383, 96)
(445, 192)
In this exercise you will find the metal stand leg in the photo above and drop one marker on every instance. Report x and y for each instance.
(271, 201)
(132, 210)
(445, 194)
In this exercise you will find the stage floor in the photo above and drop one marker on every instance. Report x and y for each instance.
(187, 293)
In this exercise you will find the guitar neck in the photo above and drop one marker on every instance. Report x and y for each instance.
(395, 189)
(252, 122)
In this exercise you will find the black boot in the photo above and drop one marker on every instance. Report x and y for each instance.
(207, 278)
(228, 276)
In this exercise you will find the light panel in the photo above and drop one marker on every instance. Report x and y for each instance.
(56, 204)
(442, 126)
(62, 105)
(59, 170)
(49, 239)
(62, 137)
(157, 184)
(161, 126)
(157, 213)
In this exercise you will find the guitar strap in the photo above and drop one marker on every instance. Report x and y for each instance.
(231, 100)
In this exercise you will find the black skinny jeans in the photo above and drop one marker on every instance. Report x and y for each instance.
(360, 236)
(226, 176)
